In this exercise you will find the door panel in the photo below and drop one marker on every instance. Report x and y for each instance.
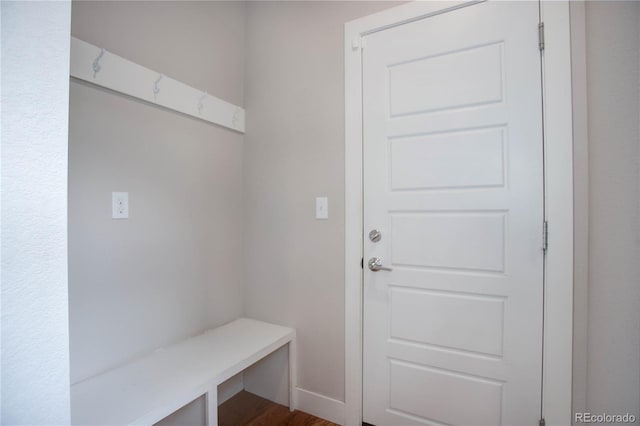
(424, 240)
(460, 160)
(443, 392)
(453, 180)
(423, 85)
(456, 321)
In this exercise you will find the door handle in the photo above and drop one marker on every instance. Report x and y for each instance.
(375, 264)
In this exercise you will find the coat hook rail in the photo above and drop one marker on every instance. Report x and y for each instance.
(124, 76)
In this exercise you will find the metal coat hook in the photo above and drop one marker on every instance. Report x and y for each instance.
(96, 63)
(201, 102)
(156, 89)
(236, 117)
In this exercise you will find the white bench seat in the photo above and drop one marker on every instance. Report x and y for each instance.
(148, 389)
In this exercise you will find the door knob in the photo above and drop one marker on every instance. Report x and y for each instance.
(375, 264)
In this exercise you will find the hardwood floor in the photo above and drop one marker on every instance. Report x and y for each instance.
(247, 409)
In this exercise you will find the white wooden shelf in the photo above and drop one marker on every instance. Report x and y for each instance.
(103, 68)
(147, 390)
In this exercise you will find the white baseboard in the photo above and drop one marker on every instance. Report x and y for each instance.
(320, 406)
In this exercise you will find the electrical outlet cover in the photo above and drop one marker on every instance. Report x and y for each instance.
(119, 205)
(322, 208)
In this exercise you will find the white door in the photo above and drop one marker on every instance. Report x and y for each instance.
(453, 181)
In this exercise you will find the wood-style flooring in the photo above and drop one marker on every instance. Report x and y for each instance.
(247, 409)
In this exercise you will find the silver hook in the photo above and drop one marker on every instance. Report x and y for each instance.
(96, 63)
(236, 117)
(156, 89)
(201, 102)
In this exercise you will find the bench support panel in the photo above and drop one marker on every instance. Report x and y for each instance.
(212, 406)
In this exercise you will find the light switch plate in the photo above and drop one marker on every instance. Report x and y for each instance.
(322, 208)
(119, 205)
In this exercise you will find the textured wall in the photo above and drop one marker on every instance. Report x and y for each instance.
(35, 95)
(294, 152)
(613, 89)
(174, 267)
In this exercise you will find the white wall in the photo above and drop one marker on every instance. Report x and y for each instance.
(173, 268)
(294, 152)
(613, 90)
(35, 95)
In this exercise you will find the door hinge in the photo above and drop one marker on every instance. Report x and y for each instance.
(545, 237)
(362, 263)
(541, 36)
(541, 422)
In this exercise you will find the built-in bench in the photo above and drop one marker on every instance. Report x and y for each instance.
(149, 389)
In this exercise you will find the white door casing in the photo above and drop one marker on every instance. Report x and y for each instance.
(453, 178)
(556, 69)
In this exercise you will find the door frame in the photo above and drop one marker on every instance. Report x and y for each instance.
(558, 140)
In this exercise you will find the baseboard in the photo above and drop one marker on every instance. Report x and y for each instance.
(320, 406)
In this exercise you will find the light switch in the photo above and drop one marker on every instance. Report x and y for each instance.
(322, 208)
(119, 205)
